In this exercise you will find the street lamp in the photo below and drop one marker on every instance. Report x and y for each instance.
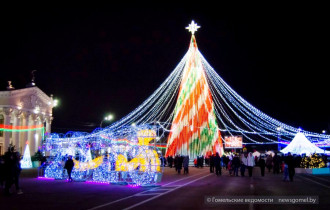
(107, 118)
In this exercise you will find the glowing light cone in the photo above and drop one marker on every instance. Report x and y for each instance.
(26, 161)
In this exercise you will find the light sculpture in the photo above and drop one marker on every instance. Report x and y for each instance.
(26, 161)
(131, 161)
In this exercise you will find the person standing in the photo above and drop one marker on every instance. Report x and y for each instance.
(17, 171)
(161, 159)
(2, 172)
(276, 163)
(212, 163)
(269, 162)
(262, 165)
(176, 159)
(224, 160)
(217, 164)
(285, 171)
(230, 167)
(179, 164)
(186, 164)
(250, 163)
(243, 163)
(9, 169)
(195, 162)
(170, 161)
(236, 164)
(290, 163)
(69, 166)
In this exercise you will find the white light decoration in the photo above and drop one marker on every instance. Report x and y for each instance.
(193, 27)
(36, 110)
(26, 161)
(55, 103)
(300, 145)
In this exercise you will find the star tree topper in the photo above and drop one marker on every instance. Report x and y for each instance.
(193, 27)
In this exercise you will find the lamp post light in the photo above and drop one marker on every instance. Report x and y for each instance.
(107, 118)
(53, 101)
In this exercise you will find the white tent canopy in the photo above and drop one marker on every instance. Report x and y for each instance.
(300, 145)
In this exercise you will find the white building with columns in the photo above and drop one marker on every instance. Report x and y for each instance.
(25, 116)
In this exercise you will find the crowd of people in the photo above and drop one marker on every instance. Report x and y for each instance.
(178, 162)
(235, 163)
(10, 170)
(239, 164)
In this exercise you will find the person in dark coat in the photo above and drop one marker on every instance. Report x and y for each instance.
(179, 164)
(291, 165)
(276, 163)
(225, 161)
(200, 161)
(17, 171)
(186, 164)
(269, 162)
(262, 165)
(69, 166)
(12, 169)
(235, 165)
(9, 171)
(170, 161)
(2, 172)
(217, 164)
(212, 163)
(297, 161)
(176, 159)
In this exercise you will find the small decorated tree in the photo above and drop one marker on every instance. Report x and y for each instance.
(26, 162)
(312, 161)
(38, 158)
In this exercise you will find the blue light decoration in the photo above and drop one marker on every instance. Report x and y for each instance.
(103, 158)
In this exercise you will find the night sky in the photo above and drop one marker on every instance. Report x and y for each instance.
(110, 59)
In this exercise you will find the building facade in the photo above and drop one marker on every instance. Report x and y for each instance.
(25, 117)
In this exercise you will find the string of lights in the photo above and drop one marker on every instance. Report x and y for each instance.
(257, 121)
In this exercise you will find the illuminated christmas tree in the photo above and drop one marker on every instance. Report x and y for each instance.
(26, 161)
(194, 129)
(312, 161)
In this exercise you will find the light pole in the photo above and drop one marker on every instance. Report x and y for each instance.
(107, 118)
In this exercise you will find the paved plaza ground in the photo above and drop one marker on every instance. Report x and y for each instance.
(174, 192)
